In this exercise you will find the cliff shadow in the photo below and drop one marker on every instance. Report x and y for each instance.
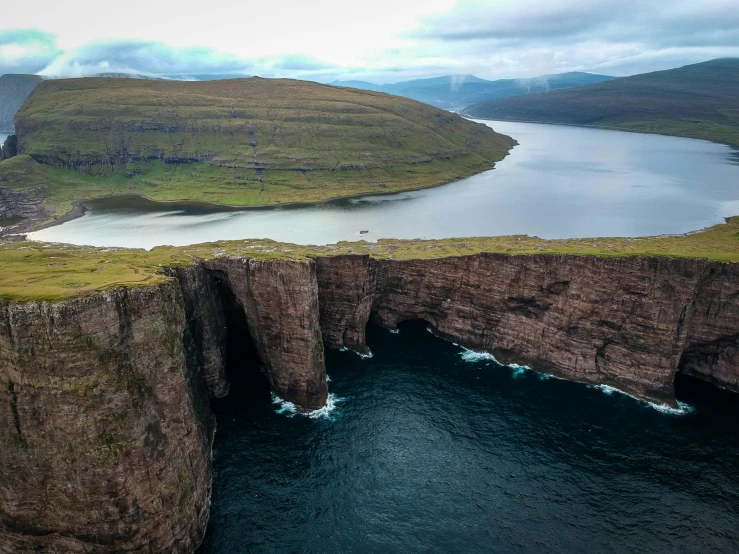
(712, 361)
(244, 369)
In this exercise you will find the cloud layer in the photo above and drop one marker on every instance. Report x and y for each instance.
(392, 42)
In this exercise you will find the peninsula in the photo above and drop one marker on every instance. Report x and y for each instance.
(239, 142)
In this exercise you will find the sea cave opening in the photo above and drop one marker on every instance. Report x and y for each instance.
(244, 369)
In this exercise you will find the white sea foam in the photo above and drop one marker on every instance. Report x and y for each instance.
(682, 407)
(472, 356)
(395, 331)
(366, 356)
(291, 410)
(518, 372)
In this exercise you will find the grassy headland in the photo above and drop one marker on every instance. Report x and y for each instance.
(239, 142)
(40, 271)
(696, 101)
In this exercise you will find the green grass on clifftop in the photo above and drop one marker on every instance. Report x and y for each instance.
(40, 271)
(238, 142)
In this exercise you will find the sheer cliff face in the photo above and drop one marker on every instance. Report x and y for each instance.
(105, 426)
(626, 322)
(280, 300)
(105, 433)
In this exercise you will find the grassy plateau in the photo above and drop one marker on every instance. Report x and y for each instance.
(239, 142)
(696, 101)
(41, 271)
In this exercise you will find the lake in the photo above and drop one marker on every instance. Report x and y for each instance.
(559, 182)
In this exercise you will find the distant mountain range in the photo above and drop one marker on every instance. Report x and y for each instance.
(458, 91)
(13, 91)
(698, 101)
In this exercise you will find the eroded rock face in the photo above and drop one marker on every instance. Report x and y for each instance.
(626, 322)
(205, 327)
(26, 204)
(105, 432)
(280, 298)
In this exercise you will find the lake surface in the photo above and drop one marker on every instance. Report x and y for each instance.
(432, 449)
(560, 182)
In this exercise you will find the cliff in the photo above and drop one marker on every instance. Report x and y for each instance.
(626, 322)
(105, 431)
(106, 427)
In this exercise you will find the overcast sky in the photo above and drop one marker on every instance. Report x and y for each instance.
(380, 41)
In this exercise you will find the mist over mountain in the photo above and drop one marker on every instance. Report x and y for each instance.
(458, 91)
(698, 101)
(13, 92)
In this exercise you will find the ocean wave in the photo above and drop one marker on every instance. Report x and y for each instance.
(473, 356)
(291, 410)
(366, 356)
(518, 371)
(394, 331)
(682, 407)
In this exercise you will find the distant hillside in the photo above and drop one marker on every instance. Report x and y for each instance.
(13, 91)
(239, 141)
(698, 101)
(454, 92)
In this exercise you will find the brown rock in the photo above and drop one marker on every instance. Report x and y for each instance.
(105, 433)
(105, 426)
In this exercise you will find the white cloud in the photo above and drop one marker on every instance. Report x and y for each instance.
(385, 40)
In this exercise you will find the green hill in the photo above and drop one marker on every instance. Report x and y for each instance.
(698, 101)
(240, 142)
(457, 91)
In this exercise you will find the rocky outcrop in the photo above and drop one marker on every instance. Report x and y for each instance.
(105, 426)
(280, 299)
(105, 431)
(27, 204)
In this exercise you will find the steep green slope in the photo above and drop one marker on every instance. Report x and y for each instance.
(457, 91)
(13, 91)
(241, 141)
(698, 101)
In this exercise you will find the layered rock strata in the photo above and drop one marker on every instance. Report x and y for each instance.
(106, 428)
(625, 322)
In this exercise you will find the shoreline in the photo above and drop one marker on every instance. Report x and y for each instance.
(602, 128)
(79, 209)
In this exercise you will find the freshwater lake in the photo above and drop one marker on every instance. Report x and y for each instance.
(559, 182)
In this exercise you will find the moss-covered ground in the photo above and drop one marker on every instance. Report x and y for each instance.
(40, 271)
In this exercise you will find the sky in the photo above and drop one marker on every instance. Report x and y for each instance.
(383, 41)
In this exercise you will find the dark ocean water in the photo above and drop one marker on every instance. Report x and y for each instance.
(425, 451)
